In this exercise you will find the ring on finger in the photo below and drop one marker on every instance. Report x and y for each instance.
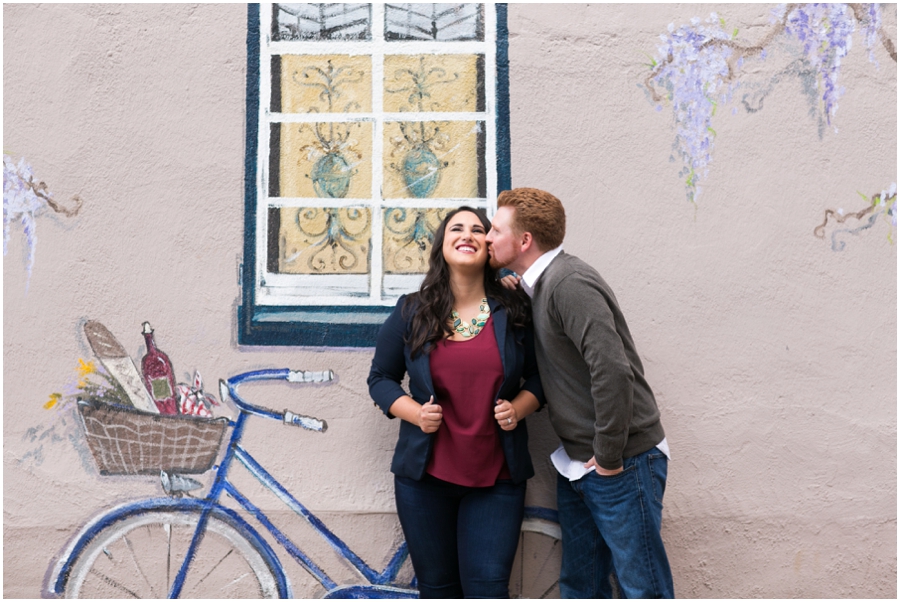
(509, 421)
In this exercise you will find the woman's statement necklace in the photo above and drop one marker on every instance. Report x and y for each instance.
(478, 322)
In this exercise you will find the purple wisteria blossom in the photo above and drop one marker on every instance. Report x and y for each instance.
(693, 70)
(825, 32)
(871, 27)
(699, 66)
(886, 202)
(20, 203)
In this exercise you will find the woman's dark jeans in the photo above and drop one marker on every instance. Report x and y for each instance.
(462, 540)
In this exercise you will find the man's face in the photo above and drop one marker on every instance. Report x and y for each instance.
(504, 245)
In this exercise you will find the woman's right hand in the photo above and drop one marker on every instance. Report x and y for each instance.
(430, 416)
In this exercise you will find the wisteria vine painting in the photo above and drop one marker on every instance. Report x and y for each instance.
(23, 200)
(883, 204)
(698, 66)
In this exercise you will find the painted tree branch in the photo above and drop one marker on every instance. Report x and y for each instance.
(819, 230)
(740, 51)
(883, 200)
(744, 51)
(698, 69)
(859, 11)
(23, 200)
(40, 189)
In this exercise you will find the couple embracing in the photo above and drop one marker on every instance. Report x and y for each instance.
(483, 354)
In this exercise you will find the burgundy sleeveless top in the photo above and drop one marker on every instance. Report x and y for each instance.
(467, 376)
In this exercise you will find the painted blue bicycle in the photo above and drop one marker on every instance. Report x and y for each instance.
(198, 548)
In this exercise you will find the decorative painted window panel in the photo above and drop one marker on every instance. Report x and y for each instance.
(366, 123)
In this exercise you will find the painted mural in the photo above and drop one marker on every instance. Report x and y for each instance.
(366, 153)
(838, 225)
(374, 121)
(184, 545)
(181, 545)
(117, 419)
(703, 66)
(333, 159)
(24, 200)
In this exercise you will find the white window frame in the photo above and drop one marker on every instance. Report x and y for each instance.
(321, 310)
(274, 289)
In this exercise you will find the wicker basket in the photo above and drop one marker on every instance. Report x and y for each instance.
(126, 441)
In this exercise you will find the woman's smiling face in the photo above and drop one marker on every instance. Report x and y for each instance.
(464, 244)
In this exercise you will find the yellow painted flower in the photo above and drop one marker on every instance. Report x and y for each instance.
(54, 399)
(85, 368)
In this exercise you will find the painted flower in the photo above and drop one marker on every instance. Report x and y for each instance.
(692, 67)
(889, 196)
(825, 33)
(694, 71)
(85, 369)
(20, 203)
(53, 401)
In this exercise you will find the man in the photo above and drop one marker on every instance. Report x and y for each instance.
(613, 459)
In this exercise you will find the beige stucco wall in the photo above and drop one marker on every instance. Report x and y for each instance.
(773, 357)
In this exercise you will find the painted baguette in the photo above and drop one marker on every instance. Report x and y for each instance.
(119, 365)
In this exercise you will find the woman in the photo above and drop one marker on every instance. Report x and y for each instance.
(462, 459)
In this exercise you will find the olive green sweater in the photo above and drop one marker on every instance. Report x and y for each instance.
(598, 400)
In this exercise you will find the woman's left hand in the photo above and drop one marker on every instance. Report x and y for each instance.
(511, 282)
(505, 414)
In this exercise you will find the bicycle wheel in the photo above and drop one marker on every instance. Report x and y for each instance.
(140, 555)
(535, 572)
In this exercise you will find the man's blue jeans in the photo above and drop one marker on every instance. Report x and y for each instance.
(462, 540)
(612, 525)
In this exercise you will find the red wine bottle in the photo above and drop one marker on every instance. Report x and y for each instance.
(159, 378)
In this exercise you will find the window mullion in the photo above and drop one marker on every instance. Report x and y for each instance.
(490, 106)
(263, 148)
(377, 254)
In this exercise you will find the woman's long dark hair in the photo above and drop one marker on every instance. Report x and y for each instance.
(432, 304)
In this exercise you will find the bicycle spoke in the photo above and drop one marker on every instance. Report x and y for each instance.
(549, 589)
(210, 572)
(547, 558)
(137, 564)
(522, 562)
(227, 585)
(168, 529)
(113, 583)
(541, 580)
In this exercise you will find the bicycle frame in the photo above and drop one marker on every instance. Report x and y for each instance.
(379, 584)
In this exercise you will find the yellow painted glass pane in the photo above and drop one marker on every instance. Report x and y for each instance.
(324, 240)
(431, 82)
(432, 159)
(326, 160)
(326, 84)
(408, 237)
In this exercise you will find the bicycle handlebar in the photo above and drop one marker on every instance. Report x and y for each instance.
(305, 376)
(307, 422)
(294, 376)
(228, 389)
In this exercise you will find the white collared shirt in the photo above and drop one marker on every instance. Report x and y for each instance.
(574, 470)
(567, 467)
(531, 275)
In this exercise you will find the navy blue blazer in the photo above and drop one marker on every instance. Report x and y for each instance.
(392, 360)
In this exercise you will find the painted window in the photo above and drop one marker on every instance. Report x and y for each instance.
(366, 123)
